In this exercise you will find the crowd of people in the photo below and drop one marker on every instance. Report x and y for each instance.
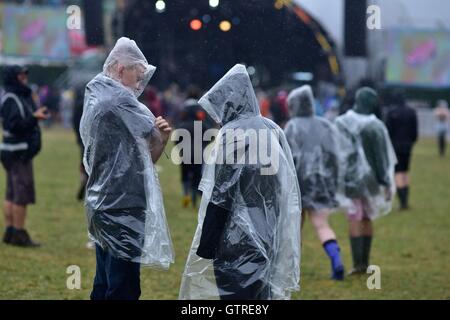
(247, 243)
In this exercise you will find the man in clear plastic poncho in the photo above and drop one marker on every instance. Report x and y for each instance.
(313, 141)
(247, 243)
(368, 177)
(122, 141)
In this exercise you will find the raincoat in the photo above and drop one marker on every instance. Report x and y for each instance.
(124, 204)
(313, 141)
(247, 243)
(368, 157)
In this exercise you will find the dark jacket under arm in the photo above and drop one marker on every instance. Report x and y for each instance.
(212, 230)
(376, 150)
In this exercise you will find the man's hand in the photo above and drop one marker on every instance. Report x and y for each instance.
(164, 129)
(157, 147)
(41, 114)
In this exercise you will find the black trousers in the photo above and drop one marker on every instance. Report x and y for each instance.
(115, 279)
(442, 141)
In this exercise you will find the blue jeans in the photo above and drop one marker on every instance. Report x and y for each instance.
(115, 279)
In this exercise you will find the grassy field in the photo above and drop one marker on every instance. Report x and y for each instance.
(412, 248)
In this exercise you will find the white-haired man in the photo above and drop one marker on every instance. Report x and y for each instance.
(122, 140)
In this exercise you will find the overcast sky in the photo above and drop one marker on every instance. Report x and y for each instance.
(423, 14)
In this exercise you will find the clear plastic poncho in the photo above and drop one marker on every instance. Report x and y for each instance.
(124, 203)
(313, 142)
(368, 162)
(259, 248)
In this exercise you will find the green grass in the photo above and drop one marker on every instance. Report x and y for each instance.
(412, 248)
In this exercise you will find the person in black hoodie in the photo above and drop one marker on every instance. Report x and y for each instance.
(21, 143)
(401, 122)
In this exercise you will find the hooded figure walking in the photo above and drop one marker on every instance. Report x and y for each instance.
(368, 178)
(122, 141)
(247, 243)
(313, 142)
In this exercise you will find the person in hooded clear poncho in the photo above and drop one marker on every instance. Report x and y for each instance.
(368, 160)
(247, 243)
(122, 139)
(313, 142)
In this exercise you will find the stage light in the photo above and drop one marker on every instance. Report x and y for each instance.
(213, 3)
(279, 4)
(225, 26)
(160, 6)
(196, 24)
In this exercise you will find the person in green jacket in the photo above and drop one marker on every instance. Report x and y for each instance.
(367, 181)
